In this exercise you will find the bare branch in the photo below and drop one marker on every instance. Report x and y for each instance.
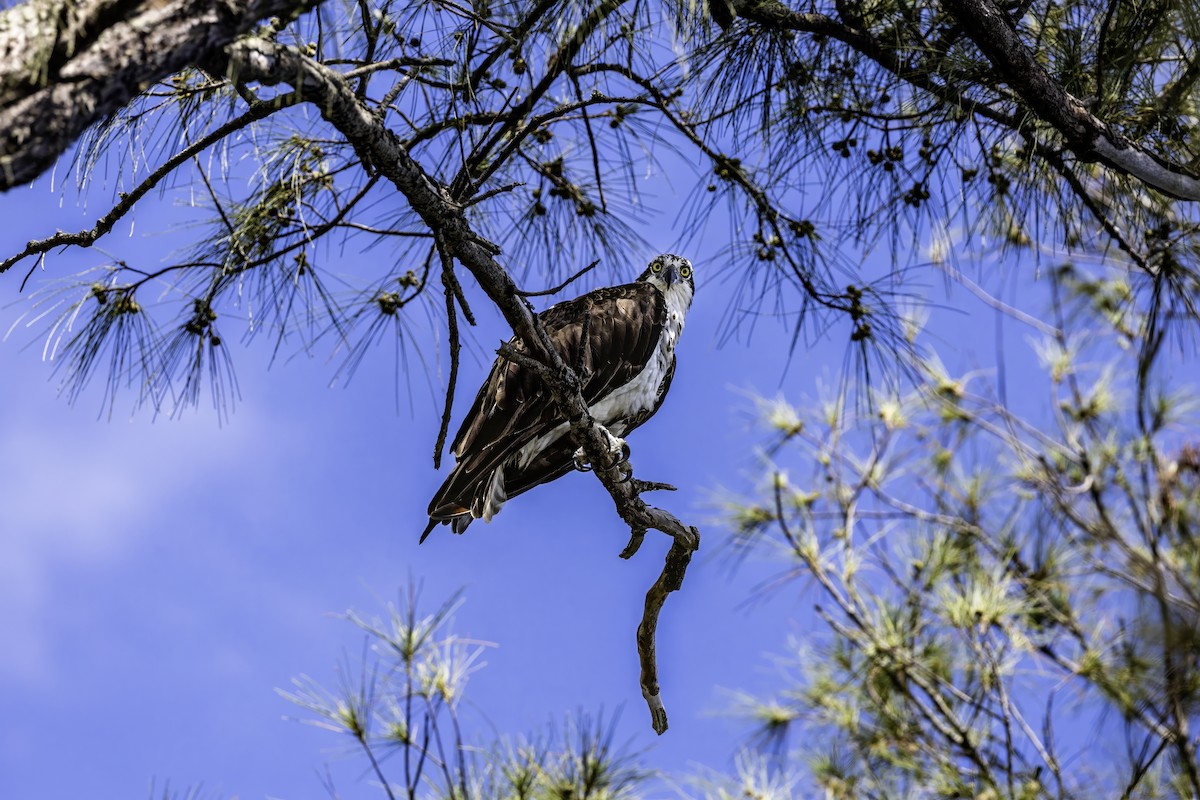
(564, 284)
(452, 322)
(669, 581)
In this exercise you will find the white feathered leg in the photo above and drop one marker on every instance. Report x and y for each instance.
(617, 448)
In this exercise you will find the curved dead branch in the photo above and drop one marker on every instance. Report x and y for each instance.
(333, 96)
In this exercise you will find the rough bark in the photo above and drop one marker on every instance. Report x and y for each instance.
(66, 64)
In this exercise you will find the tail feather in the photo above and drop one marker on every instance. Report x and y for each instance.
(467, 487)
(433, 523)
(457, 522)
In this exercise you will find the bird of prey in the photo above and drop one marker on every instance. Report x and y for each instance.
(621, 340)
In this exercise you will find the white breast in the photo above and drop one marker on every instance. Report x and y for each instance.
(641, 393)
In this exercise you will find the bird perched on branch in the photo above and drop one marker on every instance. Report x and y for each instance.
(620, 339)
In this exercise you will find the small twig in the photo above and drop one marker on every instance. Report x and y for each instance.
(212, 194)
(456, 288)
(507, 351)
(416, 781)
(636, 537)
(41, 262)
(452, 321)
(440, 760)
(996, 303)
(490, 193)
(562, 285)
(244, 92)
(392, 64)
(461, 748)
(362, 740)
(587, 124)
(640, 486)
(371, 33)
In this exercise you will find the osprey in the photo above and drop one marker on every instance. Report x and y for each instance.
(621, 339)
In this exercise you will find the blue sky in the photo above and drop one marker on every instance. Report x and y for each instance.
(159, 579)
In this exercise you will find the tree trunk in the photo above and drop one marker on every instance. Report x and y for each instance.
(65, 64)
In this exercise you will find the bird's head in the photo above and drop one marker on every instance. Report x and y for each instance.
(668, 272)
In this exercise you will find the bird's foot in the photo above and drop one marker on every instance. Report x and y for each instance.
(617, 448)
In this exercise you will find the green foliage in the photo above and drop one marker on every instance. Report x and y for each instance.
(994, 582)
(402, 706)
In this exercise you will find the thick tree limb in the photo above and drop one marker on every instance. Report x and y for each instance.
(65, 64)
(1088, 136)
(271, 63)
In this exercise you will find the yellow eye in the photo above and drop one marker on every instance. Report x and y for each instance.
(685, 271)
(656, 266)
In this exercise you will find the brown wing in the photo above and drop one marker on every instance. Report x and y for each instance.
(513, 407)
(558, 458)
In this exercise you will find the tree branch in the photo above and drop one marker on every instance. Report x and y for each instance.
(773, 14)
(1089, 137)
(126, 202)
(271, 63)
(448, 284)
(669, 581)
